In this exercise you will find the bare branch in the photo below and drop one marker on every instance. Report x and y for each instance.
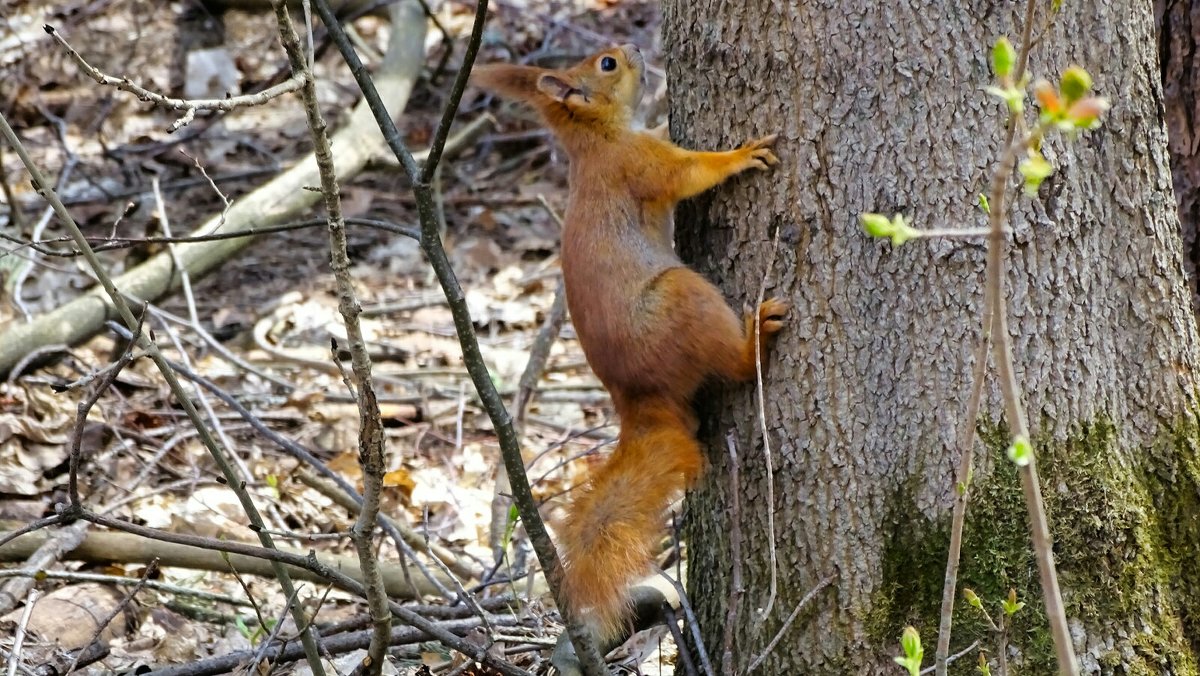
(189, 106)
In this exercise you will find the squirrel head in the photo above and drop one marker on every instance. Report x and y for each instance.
(600, 92)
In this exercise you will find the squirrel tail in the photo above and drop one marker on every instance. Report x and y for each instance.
(614, 525)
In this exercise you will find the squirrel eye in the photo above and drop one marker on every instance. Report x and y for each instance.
(608, 64)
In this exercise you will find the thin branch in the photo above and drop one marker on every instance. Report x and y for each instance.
(736, 587)
(19, 632)
(145, 343)
(295, 450)
(995, 322)
(953, 658)
(689, 667)
(119, 580)
(189, 106)
(1002, 351)
(693, 624)
(812, 593)
(962, 486)
(431, 243)
(370, 433)
(765, 611)
(456, 92)
(954, 233)
(315, 566)
(102, 623)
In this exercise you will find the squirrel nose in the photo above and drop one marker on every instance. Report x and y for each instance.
(633, 55)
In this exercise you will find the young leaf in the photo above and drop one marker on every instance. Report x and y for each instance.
(973, 598)
(1085, 113)
(1021, 452)
(1034, 169)
(1075, 84)
(910, 643)
(1013, 97)
(876, 225)
(1010, 604)
(1003, 57)
(1047, 98)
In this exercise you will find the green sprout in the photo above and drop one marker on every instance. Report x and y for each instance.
(973, 598)
(878, 225)
(1010, 604)
(1012, 96)
(1034, 169)
(910, 643)
(1021, 452)
(1003, 58)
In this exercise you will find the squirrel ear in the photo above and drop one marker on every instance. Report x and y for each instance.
(555, 87)
(517, 82)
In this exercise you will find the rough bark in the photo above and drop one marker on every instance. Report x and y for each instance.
(1178, 23)
(879, 107)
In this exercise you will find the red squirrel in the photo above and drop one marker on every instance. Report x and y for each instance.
(651, 329)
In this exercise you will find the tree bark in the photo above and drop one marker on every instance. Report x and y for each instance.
(879, 107)
(1178, 23)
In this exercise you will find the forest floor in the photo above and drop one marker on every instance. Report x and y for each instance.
(261, 326)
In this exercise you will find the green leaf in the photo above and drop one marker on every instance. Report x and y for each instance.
(914, 669)
(1075, 84)
(984, 204)
(876, 225)
(910, 643)
(1010, 604)
(1003, 58)
(1021, 452)
(973, 598)
(1013, 97)
(984, 669)
(511, 526)
(1034, 169)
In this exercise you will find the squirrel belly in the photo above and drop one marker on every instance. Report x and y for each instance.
(652, 330)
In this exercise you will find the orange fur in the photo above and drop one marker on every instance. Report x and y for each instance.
(652, 329)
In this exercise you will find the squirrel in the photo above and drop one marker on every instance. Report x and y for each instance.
(652, 329)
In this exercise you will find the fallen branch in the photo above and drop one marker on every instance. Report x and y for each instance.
(113, 547)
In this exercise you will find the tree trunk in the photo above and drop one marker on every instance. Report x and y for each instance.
(1178, 23)
(880, 107)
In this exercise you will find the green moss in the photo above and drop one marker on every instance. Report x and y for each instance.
(1126, 532)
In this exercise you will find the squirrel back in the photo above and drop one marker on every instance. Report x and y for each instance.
(652, 329)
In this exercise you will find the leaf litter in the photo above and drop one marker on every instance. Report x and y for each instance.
(274, 309)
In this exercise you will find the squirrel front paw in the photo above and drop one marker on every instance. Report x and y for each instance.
(759, 155)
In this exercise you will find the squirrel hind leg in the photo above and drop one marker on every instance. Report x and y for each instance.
(770, 315)
(707, 332)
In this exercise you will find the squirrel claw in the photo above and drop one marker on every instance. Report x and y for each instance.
(770, 315)
(761, 156)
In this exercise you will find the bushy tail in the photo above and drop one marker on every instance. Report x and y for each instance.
(612, 527)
